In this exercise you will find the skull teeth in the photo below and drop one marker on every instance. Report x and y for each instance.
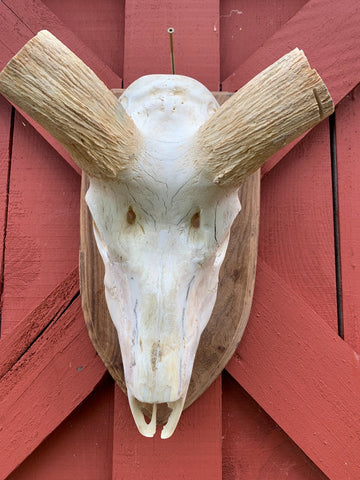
(173, 420)
(149, 429)
(146, 429)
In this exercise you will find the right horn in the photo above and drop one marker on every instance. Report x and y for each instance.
(54, 87)
(275, 107)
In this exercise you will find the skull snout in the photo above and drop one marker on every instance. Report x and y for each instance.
(164, 339)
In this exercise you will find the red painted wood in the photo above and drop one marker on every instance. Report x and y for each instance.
(192, 452)
(254, 447)
(289, 244)
(20, 20)
(50, 140)
(99, 24)
(14, 34)
(348, 151)
(328, 32)
(5, 146)
(34, 16)
(246, 25)
(303, 375)
(62, 456)
(15, 344)
(196, 40)
(296, 234)
(49, 381)
(43, 224)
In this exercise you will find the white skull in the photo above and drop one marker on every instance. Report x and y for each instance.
(162, 233)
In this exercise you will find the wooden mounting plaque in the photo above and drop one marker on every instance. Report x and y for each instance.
(231, 312)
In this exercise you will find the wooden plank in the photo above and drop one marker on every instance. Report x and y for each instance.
(45, 386)
(348, 150)
(5, 153)
(100, 25)
(14, 34)
(245, 27)
(20, 21)
(43, 224)
(254, 447)
(147, 48)
(189, 453)
(327, 31)
(50, 140)
(296, 234)
(33, 16)
(79, 448)
(303, 375)
(15, 344)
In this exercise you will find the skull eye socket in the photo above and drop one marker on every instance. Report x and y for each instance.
(130, 216)
(195, 220)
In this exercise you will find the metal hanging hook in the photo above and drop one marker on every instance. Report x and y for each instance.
(171, 30)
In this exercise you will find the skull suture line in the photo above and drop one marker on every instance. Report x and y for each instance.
(165, 164)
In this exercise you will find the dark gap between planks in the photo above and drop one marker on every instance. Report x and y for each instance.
(335, 194)
(2, 266)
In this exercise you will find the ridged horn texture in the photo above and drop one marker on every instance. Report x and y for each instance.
(281, 103)
(52, 85)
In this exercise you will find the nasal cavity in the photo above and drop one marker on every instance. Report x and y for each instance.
(195, 220)
(131, 216)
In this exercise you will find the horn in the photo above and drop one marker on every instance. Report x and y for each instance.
(275, 107)
(52, 85)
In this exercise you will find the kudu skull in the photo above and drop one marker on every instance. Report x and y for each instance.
(165, 165)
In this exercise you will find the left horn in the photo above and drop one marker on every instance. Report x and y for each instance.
(52, 85)
(275, 107)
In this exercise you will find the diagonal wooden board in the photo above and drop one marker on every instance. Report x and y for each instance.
(328, 32)
(231, 312)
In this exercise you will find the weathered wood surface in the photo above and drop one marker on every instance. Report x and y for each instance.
(348, 148)
(146, 32)
(81, 446)
(24, 334)
(5, 154)
(303, 255)
(31, 16)
(45, 386)
(184, 455)
(245, 27)
(43, 224)
(254, 447)
(333, 49)
(316, 405)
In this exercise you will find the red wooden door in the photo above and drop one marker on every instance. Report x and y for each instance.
(288, 405)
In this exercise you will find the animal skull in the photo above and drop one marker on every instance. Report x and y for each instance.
(162, 233)
(165, 164)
